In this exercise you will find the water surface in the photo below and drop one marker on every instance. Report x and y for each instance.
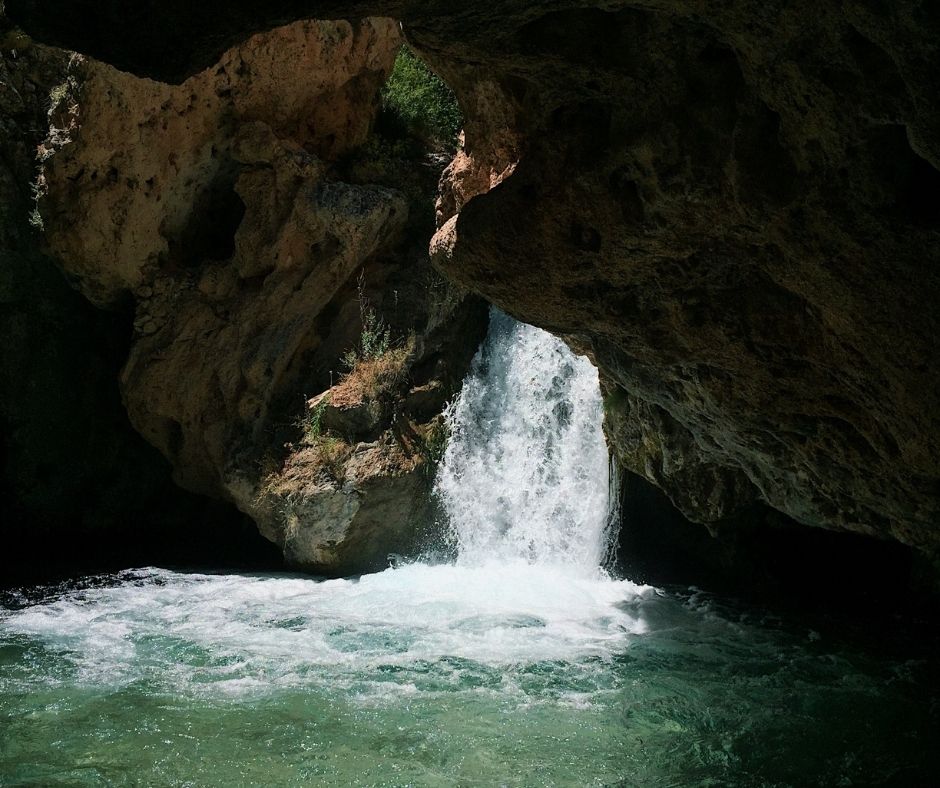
(441, 676)
(522, 661)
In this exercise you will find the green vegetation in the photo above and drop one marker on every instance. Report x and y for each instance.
(35, 219)
(419, 103)
(415, 133)
(331, 456)
(377, 366)
(377, 379)
(58, 94)
(35, 215)
(375, 339)
(313, 424)
(330, 452)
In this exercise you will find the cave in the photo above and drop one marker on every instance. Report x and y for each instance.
(260, 259)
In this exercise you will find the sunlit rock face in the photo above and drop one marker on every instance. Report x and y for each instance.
(732, 206)
(209, 205)
(227, 211)
(80, 490)
(146, 175)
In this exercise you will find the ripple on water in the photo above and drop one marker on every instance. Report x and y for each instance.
(216, 680)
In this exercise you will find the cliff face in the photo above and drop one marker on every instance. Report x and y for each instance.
(253, 240)
(80, 490)
(731, 205)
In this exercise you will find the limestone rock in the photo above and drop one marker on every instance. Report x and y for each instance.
(232, 216)
(731, 205)
(357, 487)
(146, 178)
(352, 523)
(222, 208)
(80, 490)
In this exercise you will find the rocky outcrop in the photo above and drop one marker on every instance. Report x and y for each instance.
(731, 206)
(732, 213)
(357, 487)
(236, 215)
(80, 490)
(148, 177)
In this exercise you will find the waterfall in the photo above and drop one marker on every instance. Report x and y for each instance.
(526, 474)
(520, 663)
(524, 486)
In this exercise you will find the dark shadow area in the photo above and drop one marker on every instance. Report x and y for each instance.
(209, 233)
(80, 490)
(199, 535)
(768, 559)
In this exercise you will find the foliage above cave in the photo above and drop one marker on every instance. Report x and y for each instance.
(417, 102)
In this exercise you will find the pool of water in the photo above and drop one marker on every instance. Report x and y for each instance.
(443, 675)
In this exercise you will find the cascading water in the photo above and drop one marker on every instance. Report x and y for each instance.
(524, 484)
(522, 662)
(525, 475)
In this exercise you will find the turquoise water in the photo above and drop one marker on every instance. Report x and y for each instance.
(522, 663)
(423, 675)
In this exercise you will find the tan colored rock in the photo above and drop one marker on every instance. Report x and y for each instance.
(146, 176)
(357, 486)
(216, 205)
(201, 389)
(354, 522)
(731, 205)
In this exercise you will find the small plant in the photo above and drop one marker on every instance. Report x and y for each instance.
(332, 453)
(323, 450)
(58, 94)
(375, 339)
(313, 424)
(615, 400)
(436, 438)
(269, 473)
(35, 219)
(376, 378)
(376, 335)
(35, 215)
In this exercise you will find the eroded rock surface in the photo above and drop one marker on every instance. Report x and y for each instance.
(232, 210)
(80, 490)
(732, 205)
(736, 214)
(357, 486)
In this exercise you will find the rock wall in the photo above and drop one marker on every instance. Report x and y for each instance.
(731, 205)
(735, 213)
(80, 490)
(237, 214)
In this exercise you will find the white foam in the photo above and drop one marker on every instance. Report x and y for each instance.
(525, 486)
(244, 634)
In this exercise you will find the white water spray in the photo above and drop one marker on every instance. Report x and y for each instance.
(525, 477)
(524, 484)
